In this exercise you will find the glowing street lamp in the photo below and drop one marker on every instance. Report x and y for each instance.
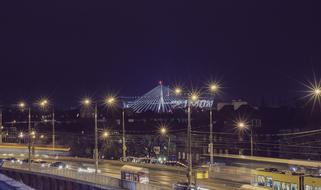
(105, 134)
(163, 131)
(22, 105)
(43, 103)
(317, 92)
(110, 100)
(87, 102)
(243, 125)
(213, 88)
(178, 91)
(194, 97)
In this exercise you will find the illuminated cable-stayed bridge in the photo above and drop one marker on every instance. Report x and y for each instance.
(162, 99)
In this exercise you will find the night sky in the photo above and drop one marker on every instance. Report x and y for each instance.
(68, 49)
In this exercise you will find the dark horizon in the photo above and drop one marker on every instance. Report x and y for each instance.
(66, 50)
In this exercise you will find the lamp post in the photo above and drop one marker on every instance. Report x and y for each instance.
(22, 105)
(192, 98)
(44, 103)
(242, 125)
(110, 101)
(213, 88)
(88, 102)
(123, 135)
(163, 131)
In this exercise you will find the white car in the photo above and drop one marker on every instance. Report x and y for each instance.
(84, 169)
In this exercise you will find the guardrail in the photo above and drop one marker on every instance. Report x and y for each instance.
(96, 179)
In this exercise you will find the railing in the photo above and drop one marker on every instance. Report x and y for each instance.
(96, 179)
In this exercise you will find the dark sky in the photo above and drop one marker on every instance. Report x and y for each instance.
(67, 49)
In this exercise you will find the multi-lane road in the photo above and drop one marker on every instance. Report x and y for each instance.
(228, 178)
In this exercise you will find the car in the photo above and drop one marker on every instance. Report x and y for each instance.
(85, 169)
(41, 162)
(11, 159)
(175, 163)
(59, 165)
(26, 160)
(185, 186)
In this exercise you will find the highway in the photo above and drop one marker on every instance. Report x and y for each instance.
(160, 176)
(164, 176)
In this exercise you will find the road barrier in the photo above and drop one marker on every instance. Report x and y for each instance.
(98, 180)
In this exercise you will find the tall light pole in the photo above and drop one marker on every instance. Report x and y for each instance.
(192, 98)
(29, 138)
(109, 102)
(163, 131)
(1, 126)
(123, 135)
(213, 88)
(243, 125)
(43, 103)
(88, 102)
(22, 105)
(96, 139)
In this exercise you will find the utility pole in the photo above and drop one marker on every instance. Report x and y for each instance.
(123, 138)
(96, 140)
(53, 131)
(211, 138)
(189, 145)
(29, 138)
(251, 140)
(1, 126)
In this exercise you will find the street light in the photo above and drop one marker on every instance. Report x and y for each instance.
(105, 134)
(43, 104)
(213, 89)
(87, 102)
(317, 92)
(193, 97)
(163, 131)
(110, 101)
(178, 91)
(243, 125)
(22, 105)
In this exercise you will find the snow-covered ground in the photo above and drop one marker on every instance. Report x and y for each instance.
(7, 183)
